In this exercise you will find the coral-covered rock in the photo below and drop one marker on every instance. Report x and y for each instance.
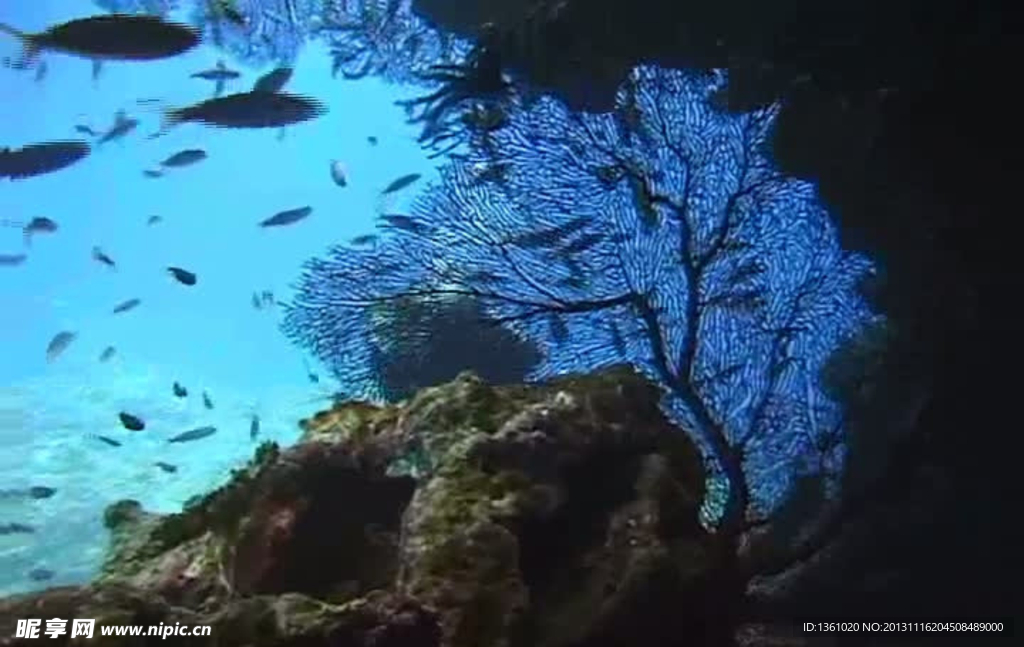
(564, 513)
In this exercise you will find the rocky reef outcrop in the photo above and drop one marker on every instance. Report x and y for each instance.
(559, 514)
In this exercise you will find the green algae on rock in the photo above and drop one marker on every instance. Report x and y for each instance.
(561, 513)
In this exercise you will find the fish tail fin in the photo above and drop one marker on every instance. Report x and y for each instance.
(17, 33)
(29, 47)
(169, 118)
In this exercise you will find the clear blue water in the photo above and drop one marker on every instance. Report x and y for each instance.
(208, 337)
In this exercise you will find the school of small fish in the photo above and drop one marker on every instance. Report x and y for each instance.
(140, 38)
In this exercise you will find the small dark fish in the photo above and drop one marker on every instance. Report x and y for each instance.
(273, 80)
(85, 130)
(286, 217)
(267, 297)
(166, 467)
(182, 276)
(130, 422)
(153, 220)
(365, 239)
(40, 574)
(150, 173)
(59, 343)
(12, 260)
(256, 301)
(109, 441)
(108, 354)
(100, 256)
(207, 402)
(193, 434)
(219, 74)
(16, 529)
(123, 124)
(122, 37)
(372, 140)
(125, 306)
(247, 110)
(179, 390)
(401, 183)
(38, 159)
(184, 158)
(38, 225)
(227, 10)
(97, 69)
(41, 492)
(41, 71)
(405, 223)
(338, 173)
(310, 375)
(254, 427)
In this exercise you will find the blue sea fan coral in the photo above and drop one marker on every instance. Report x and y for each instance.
(386, 39)
(150, 7)
(660, 235)
(274, 30)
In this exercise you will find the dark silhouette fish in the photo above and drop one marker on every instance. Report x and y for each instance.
(401, 183)
(153, 220)
(338, 173)
(38, 159)
(123, 124)
(254, 427)
(16, 528)
(371, 140)
(207, 402)
(182, 276)
(41, 492)
(12, 260)
(286, 217)
(38, 225)
(179, 390)
(100, 256)
(34, 492)
(184, 158)
(363, 239)
(108, 441)
(108, 354)
(247, 110)
(131, 422)
(125, 306)
(59, 344)
(226, 9)
(405, 223)
(256, 302)
(151, 173)
(219, 74)
(86, 130)
(273, 80)
(118, 37)
(40, 574)
(166, 467)
(193, 434)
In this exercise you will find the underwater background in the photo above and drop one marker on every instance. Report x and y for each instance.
(207, 337)
(787, 217)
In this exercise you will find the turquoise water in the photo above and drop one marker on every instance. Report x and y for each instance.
(208, 337)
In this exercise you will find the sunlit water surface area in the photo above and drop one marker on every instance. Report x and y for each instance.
(208, 337)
